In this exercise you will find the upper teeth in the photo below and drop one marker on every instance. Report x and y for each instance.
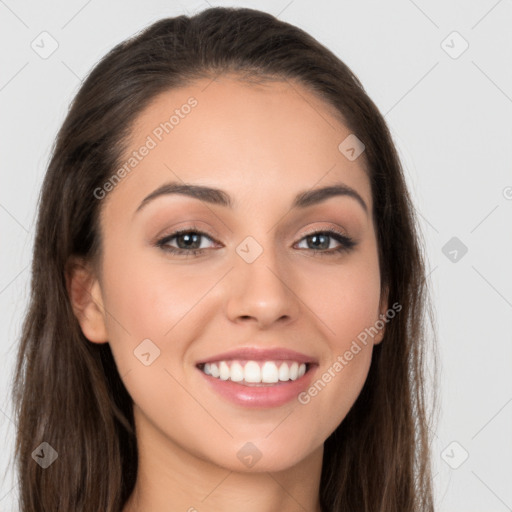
(252, 371)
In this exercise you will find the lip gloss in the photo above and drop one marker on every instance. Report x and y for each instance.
(260, 395)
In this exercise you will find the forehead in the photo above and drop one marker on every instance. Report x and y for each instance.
(271, 138)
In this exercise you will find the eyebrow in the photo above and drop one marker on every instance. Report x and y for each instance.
(219, 197)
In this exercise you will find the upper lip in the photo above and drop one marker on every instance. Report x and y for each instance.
(259, 354)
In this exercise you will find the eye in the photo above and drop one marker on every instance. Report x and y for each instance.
(322, 240)
(188, 242)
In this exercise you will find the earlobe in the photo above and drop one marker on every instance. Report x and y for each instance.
(84, 292)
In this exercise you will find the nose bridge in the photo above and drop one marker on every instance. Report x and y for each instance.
(260, 286)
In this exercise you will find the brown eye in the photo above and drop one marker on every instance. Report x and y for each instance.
(188, 242)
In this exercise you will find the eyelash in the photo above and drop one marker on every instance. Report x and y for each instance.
(346, 243)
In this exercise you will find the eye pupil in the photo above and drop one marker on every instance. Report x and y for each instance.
(315, 238)
(188, 237)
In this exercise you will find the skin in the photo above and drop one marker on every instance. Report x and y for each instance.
(262, 144)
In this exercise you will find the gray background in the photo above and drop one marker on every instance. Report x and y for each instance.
(450, 118)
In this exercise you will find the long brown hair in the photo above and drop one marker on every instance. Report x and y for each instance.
(67, 391)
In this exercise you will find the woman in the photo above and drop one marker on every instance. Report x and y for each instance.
(228, 292)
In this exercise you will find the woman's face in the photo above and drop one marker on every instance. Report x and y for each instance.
(248, 274)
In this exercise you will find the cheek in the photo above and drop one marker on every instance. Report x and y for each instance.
(148, 299)
(153, 310)
(346, 299)
(165, 303)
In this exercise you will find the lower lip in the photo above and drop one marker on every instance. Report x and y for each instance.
(260, 396)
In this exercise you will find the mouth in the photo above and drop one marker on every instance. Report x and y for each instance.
(255, 373)
(261, 378)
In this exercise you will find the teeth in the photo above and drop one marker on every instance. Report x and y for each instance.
(237, 372)
(284, 372)
(252, 372)
(224, 370)
(269, 372)
(212, 369)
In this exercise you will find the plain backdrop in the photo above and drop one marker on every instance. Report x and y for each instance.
(441, 74)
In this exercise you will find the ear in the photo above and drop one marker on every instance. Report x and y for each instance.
(85, 295)
(383, 307)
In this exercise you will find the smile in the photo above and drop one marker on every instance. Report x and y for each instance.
(255, 372)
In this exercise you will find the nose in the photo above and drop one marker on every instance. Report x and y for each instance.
(262, 292)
